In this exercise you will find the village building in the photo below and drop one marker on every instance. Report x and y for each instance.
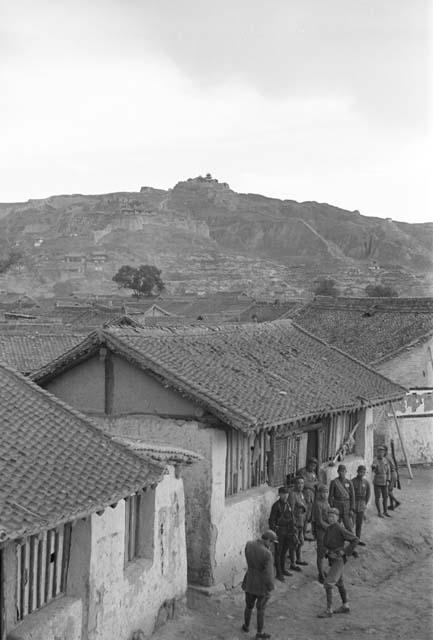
(395, 337)
(256, 401)
(92, 534)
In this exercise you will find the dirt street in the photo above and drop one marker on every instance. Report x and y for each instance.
(390, 586)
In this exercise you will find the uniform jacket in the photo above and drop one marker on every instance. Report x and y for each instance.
(362, 490)
(259, 578)
(341, 491)
(281, 518)
(320, 514)
(310, 484)
(299, 507)
(382, 472)
(335, 537)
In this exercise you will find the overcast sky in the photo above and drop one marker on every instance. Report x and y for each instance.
(327, 100)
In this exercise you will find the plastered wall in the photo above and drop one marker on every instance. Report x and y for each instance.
(126, 598)
(236, 519)
(83, 386)
(413, 367)
(135, 391)
(187, 434)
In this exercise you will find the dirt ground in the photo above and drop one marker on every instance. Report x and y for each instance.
(390, 586)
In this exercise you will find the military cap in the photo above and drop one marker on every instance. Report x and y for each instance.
(270, 535)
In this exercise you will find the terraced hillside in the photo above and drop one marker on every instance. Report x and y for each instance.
(205, 237)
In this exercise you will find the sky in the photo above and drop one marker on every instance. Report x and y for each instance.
(325, 100)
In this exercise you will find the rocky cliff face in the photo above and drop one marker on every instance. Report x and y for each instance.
(206, 237)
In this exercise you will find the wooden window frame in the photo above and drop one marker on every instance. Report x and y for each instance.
(285, 454)
(42, 569)
(246, 468)
(132, 528)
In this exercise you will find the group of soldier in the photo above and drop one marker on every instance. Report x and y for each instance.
(333, 518)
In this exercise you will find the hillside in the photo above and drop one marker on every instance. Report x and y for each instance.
(206, 237)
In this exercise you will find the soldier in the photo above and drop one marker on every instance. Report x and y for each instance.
(342, 497)
(281, 521)
(362, 490)
(309, 474)
(393, 502)
(337, 552)
(259, 580)
(299, 509)
(381, 479)
(320, 524)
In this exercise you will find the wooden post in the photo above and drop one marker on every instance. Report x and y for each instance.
(401, 442)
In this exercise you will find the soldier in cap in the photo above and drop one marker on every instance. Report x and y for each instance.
(342, 497)
(299, 508)
(311, 481)
(393, 502)
(381, 479)
(320, 524)
(362, 490)
(281, 521)
(259, 580)
(337, 552)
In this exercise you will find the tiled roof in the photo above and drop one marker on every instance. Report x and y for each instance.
(250, 376)
(229, 304)
(55, 465)
(27, 352)
(370, 329)
(267, 311)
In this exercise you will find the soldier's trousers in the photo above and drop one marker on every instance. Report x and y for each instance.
(381, 490)
(343, 507)
(252, 599)
(320, 534)
(359, 519)
(334, 578)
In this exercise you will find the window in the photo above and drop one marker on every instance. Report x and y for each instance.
(139, 525)
(285, 459)
(42, 566)
(337, 430)
(246, 460)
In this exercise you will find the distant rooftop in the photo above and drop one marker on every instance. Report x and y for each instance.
(370, 329)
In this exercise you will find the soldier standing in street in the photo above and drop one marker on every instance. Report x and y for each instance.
(393, 502)
(281, 521)
(309, 474)
(381, 479)
(342, 497)
(337, 552)
(320, 524)
(258, 581)
(362, 490)
(299, 509)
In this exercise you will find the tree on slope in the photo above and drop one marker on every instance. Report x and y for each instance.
(380, 291)
(144, 280)
(325, 287)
